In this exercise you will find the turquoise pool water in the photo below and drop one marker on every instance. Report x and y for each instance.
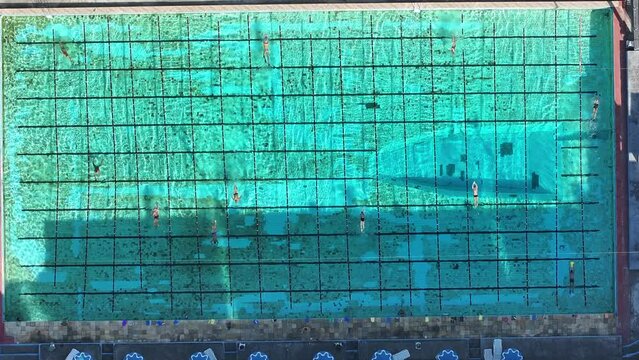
(360, 112)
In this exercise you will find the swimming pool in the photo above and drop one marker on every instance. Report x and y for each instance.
(360, 112)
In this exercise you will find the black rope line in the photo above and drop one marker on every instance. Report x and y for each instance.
(275, 207)
(86, 109)
(57, 163)
(580, 147)
(115, 171)
(556, 170)
(496, 158)
(346, 206)
(581, 183)
(432, 99)
(168, 169)
(188, 180)
(257, 227)
(379, 222)
(317, 215)
(297, 67)
(523, 42)
(300, 39)
(286, 182)
(467, 177)
(307, 262)
(137, 161)
(194, 163)
(226, 184)
(580, 175)
(261, 123)
(293, 95)
(186, 152)
(401, 54)
(451, 232)
(164, 292)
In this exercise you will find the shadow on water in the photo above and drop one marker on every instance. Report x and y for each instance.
(300, 273)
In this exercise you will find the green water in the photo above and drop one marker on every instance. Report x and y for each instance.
(360, 111)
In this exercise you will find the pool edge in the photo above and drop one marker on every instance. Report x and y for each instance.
(129, 7)
(621, 178)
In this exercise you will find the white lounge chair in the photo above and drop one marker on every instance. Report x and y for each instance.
(488, 354)
(402, 355)
(72, 354)
(208, 352)
(497, 349)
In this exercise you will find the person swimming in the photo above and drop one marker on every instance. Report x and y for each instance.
(65, 51)
(475, 194)
(156, 215)
(595, 107)
(453, 45)
(266, 50)
(236, 194)
(572, 278)
(96, 168)
(214, 232)
(362, 221)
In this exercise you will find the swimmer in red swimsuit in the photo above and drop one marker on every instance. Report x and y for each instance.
(96, 168)
(65, 51)
(236, 194)
(156, 215)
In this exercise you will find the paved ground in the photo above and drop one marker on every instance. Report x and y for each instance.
(15, 7)
(375, 328)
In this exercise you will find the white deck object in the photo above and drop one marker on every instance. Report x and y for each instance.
(488, 354)
(72, 354)
(402, 355)
(497, 349)
(208, 352)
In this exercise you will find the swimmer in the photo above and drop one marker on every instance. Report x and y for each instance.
(236, 194)
(156, 215)
(362, 221)
(453, 45)
(572, 278)
(266, 51)
(65, 51)
(475, 194)
(96, 168)
(214, 232)
(595, 107)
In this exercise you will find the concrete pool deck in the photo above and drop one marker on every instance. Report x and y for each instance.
(604, 324)
(315, 329)
(72, 8)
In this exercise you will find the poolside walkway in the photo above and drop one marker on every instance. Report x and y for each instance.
(316, 329)
(79, 7)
